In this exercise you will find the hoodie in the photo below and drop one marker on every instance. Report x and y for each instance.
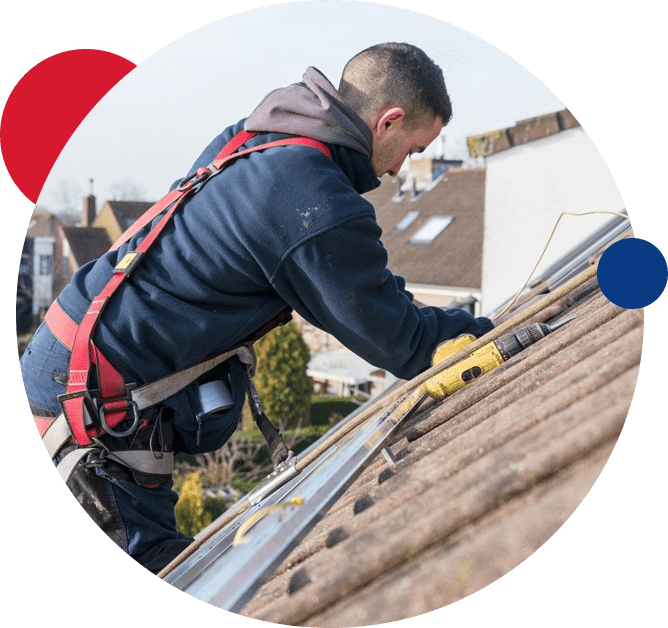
(314, 109)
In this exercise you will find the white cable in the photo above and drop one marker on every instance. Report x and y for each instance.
(533, 270)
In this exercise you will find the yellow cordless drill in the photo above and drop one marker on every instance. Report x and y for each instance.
(484, 359)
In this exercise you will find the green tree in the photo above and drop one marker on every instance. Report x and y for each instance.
(189, 510)
(281, 381)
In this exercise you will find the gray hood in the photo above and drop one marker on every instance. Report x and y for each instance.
(312, 108)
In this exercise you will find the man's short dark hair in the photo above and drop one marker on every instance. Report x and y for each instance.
(395, 75)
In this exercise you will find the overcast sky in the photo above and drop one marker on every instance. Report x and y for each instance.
(149, 129)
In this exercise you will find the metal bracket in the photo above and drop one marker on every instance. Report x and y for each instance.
(389, 457)
(281, 475)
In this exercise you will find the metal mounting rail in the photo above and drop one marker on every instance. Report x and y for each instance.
(227, 574)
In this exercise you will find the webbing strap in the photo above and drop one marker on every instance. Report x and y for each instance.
(70, 461)
(231, 147)
(140, 460)
(278, 450)
(147, 217)
(111, 383)
(61, 325)
(221, 160)
(56, 435)
(161, 389)
(58, 432)
(113, 394)
(145, 461)
(64, 329)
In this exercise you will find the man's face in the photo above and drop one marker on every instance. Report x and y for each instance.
(393, 143)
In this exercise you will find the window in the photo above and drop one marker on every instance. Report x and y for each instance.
(431, 229)
(45, 264)
(406, 221)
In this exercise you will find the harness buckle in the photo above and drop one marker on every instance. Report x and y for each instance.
(196, 181)
(89, 405)
(129, 262)
(97, 456)
(95, 409)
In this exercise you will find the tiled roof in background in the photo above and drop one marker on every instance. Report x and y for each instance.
(42, 224)
(87, 243)
(455, 256)
(127, 212)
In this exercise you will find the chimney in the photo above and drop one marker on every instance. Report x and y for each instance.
(89, 211)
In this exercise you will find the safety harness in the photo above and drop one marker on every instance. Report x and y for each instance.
(88, 414)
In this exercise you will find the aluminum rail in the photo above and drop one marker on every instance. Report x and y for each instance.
(243, 505)
(226, 573)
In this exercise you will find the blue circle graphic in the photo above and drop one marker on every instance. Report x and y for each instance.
(632, 273)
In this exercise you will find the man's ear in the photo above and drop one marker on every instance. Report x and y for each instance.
(387, 120)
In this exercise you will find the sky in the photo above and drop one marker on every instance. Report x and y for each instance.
(149, 129)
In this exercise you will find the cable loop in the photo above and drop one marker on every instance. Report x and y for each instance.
(255, 517)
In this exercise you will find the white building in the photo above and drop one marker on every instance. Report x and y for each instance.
(536, 170)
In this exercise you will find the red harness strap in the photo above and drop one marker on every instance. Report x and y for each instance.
(114, 402)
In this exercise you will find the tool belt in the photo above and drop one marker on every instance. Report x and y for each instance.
(115, 408)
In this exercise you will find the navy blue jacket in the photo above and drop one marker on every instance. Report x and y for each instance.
(286, 226)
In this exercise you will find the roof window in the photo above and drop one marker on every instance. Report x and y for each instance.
(407, 221)
(431, 229)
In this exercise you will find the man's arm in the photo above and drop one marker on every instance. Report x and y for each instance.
(339, 281)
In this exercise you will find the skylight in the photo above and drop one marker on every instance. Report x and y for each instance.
(407, 221)
(431, 229)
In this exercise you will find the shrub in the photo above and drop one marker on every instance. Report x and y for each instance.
(189, 510)
(281, 381)
(214, 507)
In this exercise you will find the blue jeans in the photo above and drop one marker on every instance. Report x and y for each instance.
(138, 519)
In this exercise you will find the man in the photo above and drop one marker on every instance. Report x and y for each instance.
(281, 227)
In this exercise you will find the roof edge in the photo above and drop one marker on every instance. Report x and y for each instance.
(524, 131)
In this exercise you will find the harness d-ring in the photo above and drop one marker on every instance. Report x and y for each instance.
(130, 430)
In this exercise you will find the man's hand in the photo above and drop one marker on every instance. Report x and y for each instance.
(541, 317)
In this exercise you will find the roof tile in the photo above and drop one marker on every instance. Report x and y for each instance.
(87, 243)
(482, 480)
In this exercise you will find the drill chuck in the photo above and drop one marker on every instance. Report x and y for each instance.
(511, 344)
